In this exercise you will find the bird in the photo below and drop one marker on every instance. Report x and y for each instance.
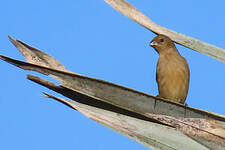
(172, 71)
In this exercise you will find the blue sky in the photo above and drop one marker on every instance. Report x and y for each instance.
(91, 38)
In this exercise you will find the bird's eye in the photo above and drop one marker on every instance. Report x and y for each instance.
(161, 40)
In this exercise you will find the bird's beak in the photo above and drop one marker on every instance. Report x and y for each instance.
(153, 43)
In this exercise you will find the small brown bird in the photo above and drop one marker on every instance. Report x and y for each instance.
(172, 73)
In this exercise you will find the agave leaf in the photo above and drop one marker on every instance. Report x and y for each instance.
(130, 11)
(150, 134)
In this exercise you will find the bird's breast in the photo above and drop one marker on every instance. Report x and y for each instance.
(173, 78)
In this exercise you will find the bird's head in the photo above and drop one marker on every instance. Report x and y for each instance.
(162, 43)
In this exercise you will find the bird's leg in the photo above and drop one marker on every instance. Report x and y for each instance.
(185, 105)
(155, 101)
